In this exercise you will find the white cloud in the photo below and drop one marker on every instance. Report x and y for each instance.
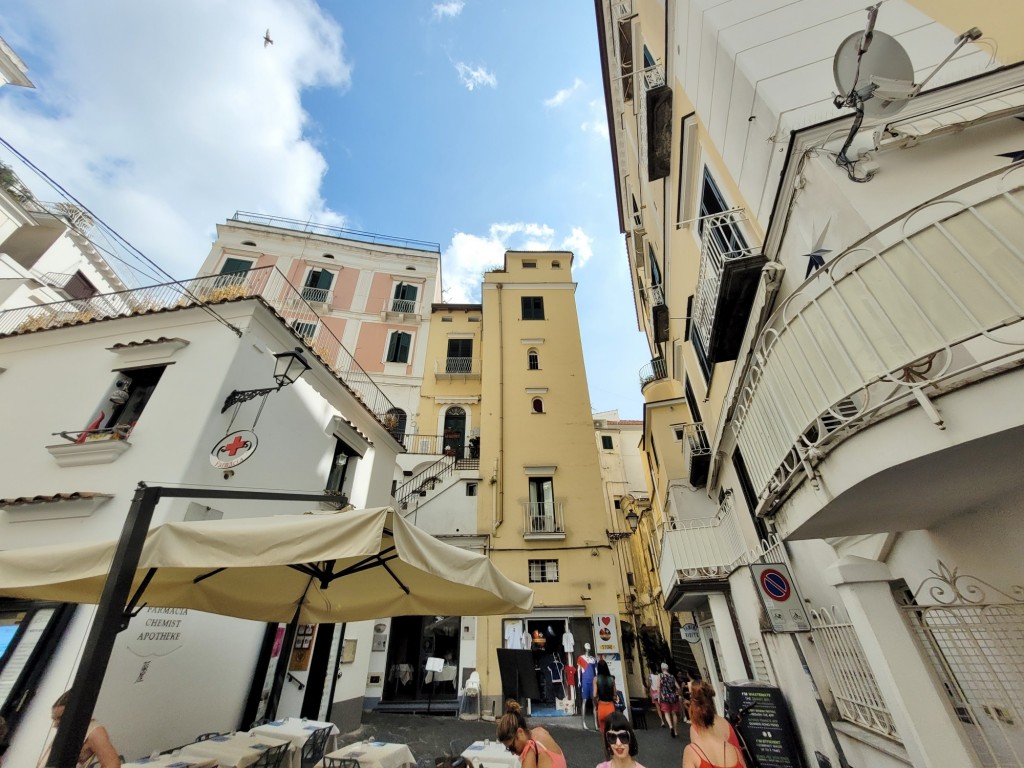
(563, 95)
(468, 256)
(166, 118)
(474, 78)
(449, 8)
(597, 121)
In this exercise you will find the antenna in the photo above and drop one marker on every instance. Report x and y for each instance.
(875, 76)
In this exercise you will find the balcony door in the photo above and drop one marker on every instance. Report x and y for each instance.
(542, 505)
(460, 356)
(725, 234)
(317, 286)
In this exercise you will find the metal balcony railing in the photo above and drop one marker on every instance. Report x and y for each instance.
(701, 548)
(425, 481)
(649, 78)
(405, 306)
(317, 295)
(696, 453)
(267, 284)
(313, 227)
(457, 366)
(652, 371)
(428, 444)
(931, 301)
(722, 240)
(655, 295)
(543, 518)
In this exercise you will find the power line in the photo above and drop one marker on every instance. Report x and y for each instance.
(131, 248)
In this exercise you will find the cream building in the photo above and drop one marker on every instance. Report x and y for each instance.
(833, 311)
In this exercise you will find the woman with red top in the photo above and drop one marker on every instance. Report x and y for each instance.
(713, 743)
(533, 746)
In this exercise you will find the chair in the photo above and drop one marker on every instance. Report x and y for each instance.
(273, 757)
(315, 747)
(457, 746)
(341, 762)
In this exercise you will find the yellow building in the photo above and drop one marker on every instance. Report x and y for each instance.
(823, 210)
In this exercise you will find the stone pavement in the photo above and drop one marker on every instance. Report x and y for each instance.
(429, 736)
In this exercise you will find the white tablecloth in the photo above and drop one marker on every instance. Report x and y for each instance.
(490, 754)
(238, 750)
(172, 761)
(296, 730)
(376, 754)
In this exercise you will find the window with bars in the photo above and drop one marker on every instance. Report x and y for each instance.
(533, 307)
(543, 571)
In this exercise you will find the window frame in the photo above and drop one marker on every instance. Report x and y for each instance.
(532, 307)
(543, 567)
(392, 334)
(606, 443)
(532, 359)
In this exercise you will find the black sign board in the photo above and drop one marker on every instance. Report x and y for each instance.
(766, 726)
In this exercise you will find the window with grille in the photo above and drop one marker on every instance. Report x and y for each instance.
(543, 571)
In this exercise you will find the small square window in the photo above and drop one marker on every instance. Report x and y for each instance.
(543, 571)
(556, 265)
(606, 442)
(679, 433)
(471, 489)
(447, 319)
(529, 265)
(618, 503)
(533, 307)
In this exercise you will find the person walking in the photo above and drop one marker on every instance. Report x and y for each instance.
(534, 747)
(604, 693)
(620, 744)
(713, 742)
(655, 699)
(668, 692)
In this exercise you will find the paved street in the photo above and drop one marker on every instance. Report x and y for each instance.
(429, 736)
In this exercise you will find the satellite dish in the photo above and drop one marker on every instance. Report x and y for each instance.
(882, 76)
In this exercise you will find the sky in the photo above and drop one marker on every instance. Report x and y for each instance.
(475, 124)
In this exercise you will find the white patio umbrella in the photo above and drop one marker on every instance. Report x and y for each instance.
(342, 566)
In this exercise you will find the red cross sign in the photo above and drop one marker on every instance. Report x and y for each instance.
(233, 449)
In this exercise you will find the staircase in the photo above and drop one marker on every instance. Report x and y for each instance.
(426, 480)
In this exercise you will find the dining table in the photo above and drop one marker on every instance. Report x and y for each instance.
(234, 750)
(376, 754)
(171, 761)
(297, 730)
(490, 754)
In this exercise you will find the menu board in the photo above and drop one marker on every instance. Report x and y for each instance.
(766, 726)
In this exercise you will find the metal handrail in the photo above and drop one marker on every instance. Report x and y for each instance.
(543, 517)
(416, 484)
(405, 306)
(652, 371)
(312, 227)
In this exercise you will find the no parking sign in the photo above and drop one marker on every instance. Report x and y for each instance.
(782, 603)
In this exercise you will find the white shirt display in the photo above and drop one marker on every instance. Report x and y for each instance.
(568, 642)
(515, 633)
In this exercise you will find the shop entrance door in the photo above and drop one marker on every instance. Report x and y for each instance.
(414, 639)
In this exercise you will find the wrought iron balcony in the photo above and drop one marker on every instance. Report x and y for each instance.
(403, 306)
(653, 371)
(316, 295)
(726, 284)
(267, 284)
(655, 118)
(543, 520)
(457, 368)
(927, 304)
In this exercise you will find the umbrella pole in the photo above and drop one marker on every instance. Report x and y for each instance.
(67, 743)
(283, 661)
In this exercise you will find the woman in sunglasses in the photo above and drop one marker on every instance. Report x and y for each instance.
(533, 746)
(620, 745)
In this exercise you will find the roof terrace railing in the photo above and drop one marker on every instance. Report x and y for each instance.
(329, 230)
(265, 283)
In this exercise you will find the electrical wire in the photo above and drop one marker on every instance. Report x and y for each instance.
(118, 237)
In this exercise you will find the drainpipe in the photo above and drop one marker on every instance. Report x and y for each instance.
(499, 509)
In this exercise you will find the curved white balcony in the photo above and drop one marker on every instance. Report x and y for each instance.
(921, 308)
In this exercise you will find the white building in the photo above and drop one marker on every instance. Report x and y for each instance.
(100, 394)
(834, 309)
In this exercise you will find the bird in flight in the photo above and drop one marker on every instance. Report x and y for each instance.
(266, 39)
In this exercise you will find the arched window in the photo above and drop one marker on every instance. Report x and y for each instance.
(249, 242)
(538, 405)
(395, 421)
(532, 360)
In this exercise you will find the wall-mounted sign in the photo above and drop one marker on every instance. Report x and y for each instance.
(689, 632)
(302, 649)
(157, 631)
(783, 605)
(606, 634)
(233, 449)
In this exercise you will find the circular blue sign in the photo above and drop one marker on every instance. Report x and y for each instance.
(775, 585)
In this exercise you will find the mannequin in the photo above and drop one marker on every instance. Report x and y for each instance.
(587, 668)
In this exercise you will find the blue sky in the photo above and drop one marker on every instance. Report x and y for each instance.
(478, 125)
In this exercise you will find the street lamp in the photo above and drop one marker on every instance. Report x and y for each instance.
(633, 520)
(288, 368)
